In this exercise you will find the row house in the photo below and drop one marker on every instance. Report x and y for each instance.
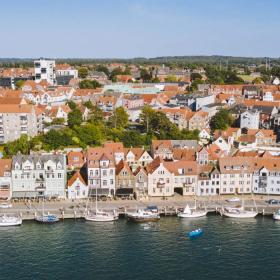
(124, 179)
(236, 175)
(101, 170)
(259, 137)
(132, 101)
(209, 154)
(39, 175)
(141, 182)
(75, 160)
(5, 179)
(77, 187)
(208, 180)
(137, 157)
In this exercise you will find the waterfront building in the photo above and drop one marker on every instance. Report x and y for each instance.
(5, 179)
(160, 179)
(77, 187)
(141, 182)
(38, 175)
(236, 175)
(101, 171)
(124, 179)
(208, 180)
(17, 120)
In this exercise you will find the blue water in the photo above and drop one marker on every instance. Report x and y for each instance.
(228, 249)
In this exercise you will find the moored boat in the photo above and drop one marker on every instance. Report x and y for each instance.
(195, 233)
(276, 215)
(143, 215)
(101, 216)
(192, 213)
(9, 220)
(47, 219)
(238, 212)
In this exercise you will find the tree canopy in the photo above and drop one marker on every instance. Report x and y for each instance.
(222, 120)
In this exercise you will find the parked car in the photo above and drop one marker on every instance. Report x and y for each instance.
(273, 201)
(233, 199)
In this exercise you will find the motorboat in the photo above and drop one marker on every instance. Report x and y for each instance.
(9, 220)
(276, 215)
(47, 219)
(192, 213)
(101, 216)
(6, 205)
(233, 199)
(238, 212)
(143, 215)
(195, 233)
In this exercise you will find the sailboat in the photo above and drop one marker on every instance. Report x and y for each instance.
(46, 218)
(100, 216)
(239, 212)
(192, 212)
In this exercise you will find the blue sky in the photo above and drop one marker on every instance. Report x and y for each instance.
(139, 28)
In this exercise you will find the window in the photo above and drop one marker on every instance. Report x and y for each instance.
(111, 171)
(111, 181)
(105, 183)
(59, 175)
(104, 172)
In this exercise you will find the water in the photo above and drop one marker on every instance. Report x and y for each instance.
(229, 249)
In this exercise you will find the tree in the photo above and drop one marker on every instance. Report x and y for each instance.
(257, 80)
(132, 138)
(194, 84)
(75, 117)
(19, 84)
(222, 120)
(96, 116)
(20, 145)
(103, 68)
(89, 84)
(171, 79)
(89, 134)
(119, 118)
(83, 72)
(145, 75)
(72, 105)
(58, 121)
(195, 76)
(146, 116)
(88, 104)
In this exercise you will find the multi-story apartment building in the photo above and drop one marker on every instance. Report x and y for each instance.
(39, 175)
(101, 171)
(266, 176)
(208, 180)
(236, 175)
(250, 119)
(17, 120)
(45, 70)
(141, 182)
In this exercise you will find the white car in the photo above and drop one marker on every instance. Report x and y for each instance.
(233, 199)
(6, 205)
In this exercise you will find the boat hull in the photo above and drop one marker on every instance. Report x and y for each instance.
(192, 215)
(47, 220)
(10, 224)
(276, 217)
(245, 215)
(101, 219)
(143, 220)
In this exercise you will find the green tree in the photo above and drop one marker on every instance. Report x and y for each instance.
(222, 120)
(19, 84)
(72, 105)
(58, 121)
(89, 84)
(195, 76)
(171, 79)
(257, 81)
(103, 68)
(194, 84)
(88, 104)
(21, 145)
(96, 116)
(145, 75)
(75, 117)
(82, 72)
(89, 134)
(119, 118)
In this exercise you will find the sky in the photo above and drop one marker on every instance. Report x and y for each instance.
(138, 28)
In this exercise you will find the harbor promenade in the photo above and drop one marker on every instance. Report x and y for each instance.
(169, 206)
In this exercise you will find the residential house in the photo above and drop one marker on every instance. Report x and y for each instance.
(77, 187)
(75, 159)
(124, 179)
(137, 157)
(208, 180)
(141, 182)
(250, 119)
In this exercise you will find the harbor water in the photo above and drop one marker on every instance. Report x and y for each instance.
(228, 249)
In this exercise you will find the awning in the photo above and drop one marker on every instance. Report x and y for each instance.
(124, 191)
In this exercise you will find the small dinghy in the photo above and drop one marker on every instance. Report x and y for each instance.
(195, 233)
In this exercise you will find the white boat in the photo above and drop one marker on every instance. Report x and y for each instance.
(143, 215)
(233, 199)
(6, 205)
(238, 212)
(101, 216)
(192, 213)
(276, 215)
(97, 215)
(6, 221)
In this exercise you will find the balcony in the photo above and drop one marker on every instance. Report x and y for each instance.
(40, 187)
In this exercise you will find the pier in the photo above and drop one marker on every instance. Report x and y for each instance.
(67, 209)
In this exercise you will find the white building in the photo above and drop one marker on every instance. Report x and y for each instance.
(5, 179)
(38, 175)
(77, 187)
(250, 119)
(44, 70)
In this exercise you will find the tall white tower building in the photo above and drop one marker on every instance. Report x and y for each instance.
(45, 70)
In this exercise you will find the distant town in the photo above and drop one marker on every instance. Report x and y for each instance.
(138, 130)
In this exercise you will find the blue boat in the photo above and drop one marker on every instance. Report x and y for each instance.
(195, 233)
(47, 219)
